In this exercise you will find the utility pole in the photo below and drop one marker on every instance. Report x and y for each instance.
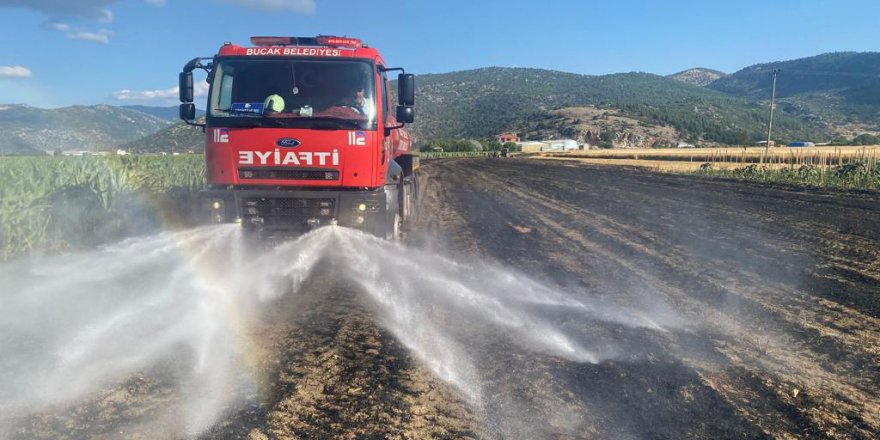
(770, 124)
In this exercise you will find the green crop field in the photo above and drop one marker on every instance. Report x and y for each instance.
(55, 203)
(856, 174)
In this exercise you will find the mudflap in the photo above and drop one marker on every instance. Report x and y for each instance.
(392, 212)
(407, 202)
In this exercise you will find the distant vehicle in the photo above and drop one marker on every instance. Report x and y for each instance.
(505, 152)
(684, 145)
(801, 144)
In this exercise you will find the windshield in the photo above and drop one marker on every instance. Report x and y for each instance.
(297, 93)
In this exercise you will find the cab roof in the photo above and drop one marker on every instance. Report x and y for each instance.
(321, 46)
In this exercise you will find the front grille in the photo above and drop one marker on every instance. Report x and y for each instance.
(287, 174)
(287, 211)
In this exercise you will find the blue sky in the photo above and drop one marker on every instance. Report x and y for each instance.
(64, 52)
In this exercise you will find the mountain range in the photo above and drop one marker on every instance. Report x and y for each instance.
(170, 113)
(819, 98)
(31, 130)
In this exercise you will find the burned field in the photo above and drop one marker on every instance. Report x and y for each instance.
(706, 308)
(781, 287)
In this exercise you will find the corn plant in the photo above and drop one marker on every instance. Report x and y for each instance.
(36, 192)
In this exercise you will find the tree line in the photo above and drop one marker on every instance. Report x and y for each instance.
(458, 145)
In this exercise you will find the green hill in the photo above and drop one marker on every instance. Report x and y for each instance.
(833, 88)
(18, 147)
(484, 102)
(178, 138)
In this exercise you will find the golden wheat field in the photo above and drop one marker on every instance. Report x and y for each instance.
(688, 159)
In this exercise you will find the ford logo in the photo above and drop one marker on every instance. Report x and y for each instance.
(287, 142)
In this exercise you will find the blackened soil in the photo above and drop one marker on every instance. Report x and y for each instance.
(782, 287)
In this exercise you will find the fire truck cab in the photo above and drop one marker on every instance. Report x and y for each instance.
(302, 132)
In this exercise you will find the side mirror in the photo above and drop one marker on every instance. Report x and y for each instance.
(188, 111)
(406, 89)
(186, 87)
(405, 114)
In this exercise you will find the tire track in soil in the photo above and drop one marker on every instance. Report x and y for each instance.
(851, 360)
(844, 324)
(810, 223)
(332, 372)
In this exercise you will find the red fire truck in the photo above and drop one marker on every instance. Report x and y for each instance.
(301, 132)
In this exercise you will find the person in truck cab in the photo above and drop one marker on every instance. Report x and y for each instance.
(354, 100)
(350, 105)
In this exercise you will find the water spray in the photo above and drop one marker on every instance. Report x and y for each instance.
(72, 325)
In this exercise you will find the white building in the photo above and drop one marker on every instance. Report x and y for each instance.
(548, 145)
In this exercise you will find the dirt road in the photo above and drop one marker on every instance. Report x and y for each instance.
(774, 293)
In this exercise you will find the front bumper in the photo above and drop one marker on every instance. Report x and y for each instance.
(271, 211)
(286, 212)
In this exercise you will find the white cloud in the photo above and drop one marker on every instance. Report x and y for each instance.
(58, 12)
(102, 36)
(63, 27)
(14, 72)
(145, 95)
(304, 6)
(201, 89)
(55, 9)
